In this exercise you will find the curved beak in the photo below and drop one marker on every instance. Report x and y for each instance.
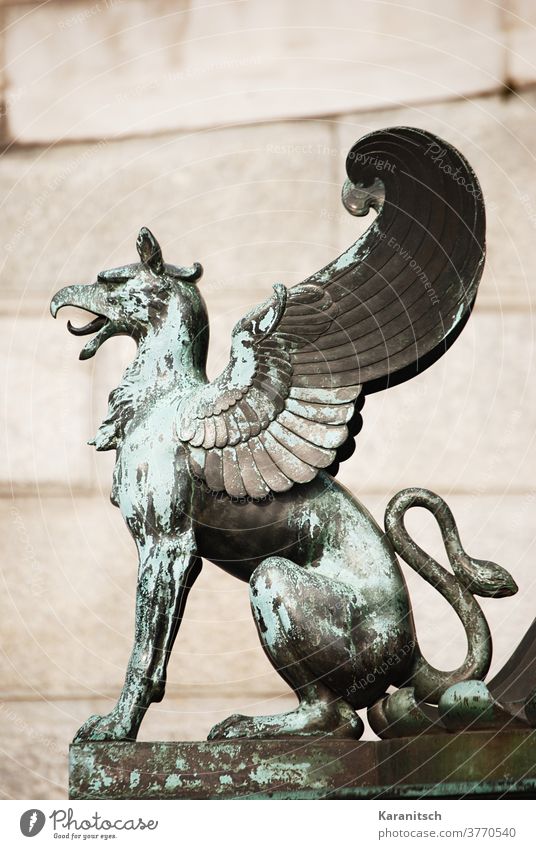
(86, 297)
(92, 298)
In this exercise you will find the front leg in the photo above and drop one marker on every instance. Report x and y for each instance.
(168, 567)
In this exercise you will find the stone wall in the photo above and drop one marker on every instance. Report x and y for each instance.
(226, 134)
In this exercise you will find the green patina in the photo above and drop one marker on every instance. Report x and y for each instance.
(240, 470)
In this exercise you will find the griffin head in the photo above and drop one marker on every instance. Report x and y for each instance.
(130, 300)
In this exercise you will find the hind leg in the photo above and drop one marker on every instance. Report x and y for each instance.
(308, 628)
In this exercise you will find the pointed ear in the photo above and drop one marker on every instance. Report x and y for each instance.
(150, 251)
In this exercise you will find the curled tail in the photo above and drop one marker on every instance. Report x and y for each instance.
(471, 577)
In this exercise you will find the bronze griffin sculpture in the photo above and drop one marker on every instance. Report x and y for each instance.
(241, 470)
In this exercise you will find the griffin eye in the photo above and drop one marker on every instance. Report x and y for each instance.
(118, 276)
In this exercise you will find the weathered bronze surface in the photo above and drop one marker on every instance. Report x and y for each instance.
(241, 470)
(472, 764)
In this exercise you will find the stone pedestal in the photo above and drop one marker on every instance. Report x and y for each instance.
(478, 764)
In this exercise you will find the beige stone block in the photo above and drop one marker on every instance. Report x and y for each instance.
(3, 94)
(46, 407)
(519, 22)
(90, 70)
(34, 748)
(467, 424)
(246, 202)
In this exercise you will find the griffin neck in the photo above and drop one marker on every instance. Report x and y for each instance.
(170, 360)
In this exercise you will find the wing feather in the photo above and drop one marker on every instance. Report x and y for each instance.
(214, 470)
(287, 462)
(305, 450)
(254, 483)
(232, 479)
(209, 440)
(324, 413)
(233, 434)
(271, 474)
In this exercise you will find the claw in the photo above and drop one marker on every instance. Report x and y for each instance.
(100, 728)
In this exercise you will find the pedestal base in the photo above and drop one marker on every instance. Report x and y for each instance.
(447, 766)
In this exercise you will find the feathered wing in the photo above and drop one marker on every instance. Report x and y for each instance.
(386, 308)
(265, 423)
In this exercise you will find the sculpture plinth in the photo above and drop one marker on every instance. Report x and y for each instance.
(472, 764)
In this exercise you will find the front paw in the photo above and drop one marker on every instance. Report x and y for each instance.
(234, 726)
(100, 728)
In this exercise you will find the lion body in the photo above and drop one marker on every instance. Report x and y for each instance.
(346, 561)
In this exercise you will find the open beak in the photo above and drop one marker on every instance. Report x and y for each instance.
(91, 327)
(88, 298)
